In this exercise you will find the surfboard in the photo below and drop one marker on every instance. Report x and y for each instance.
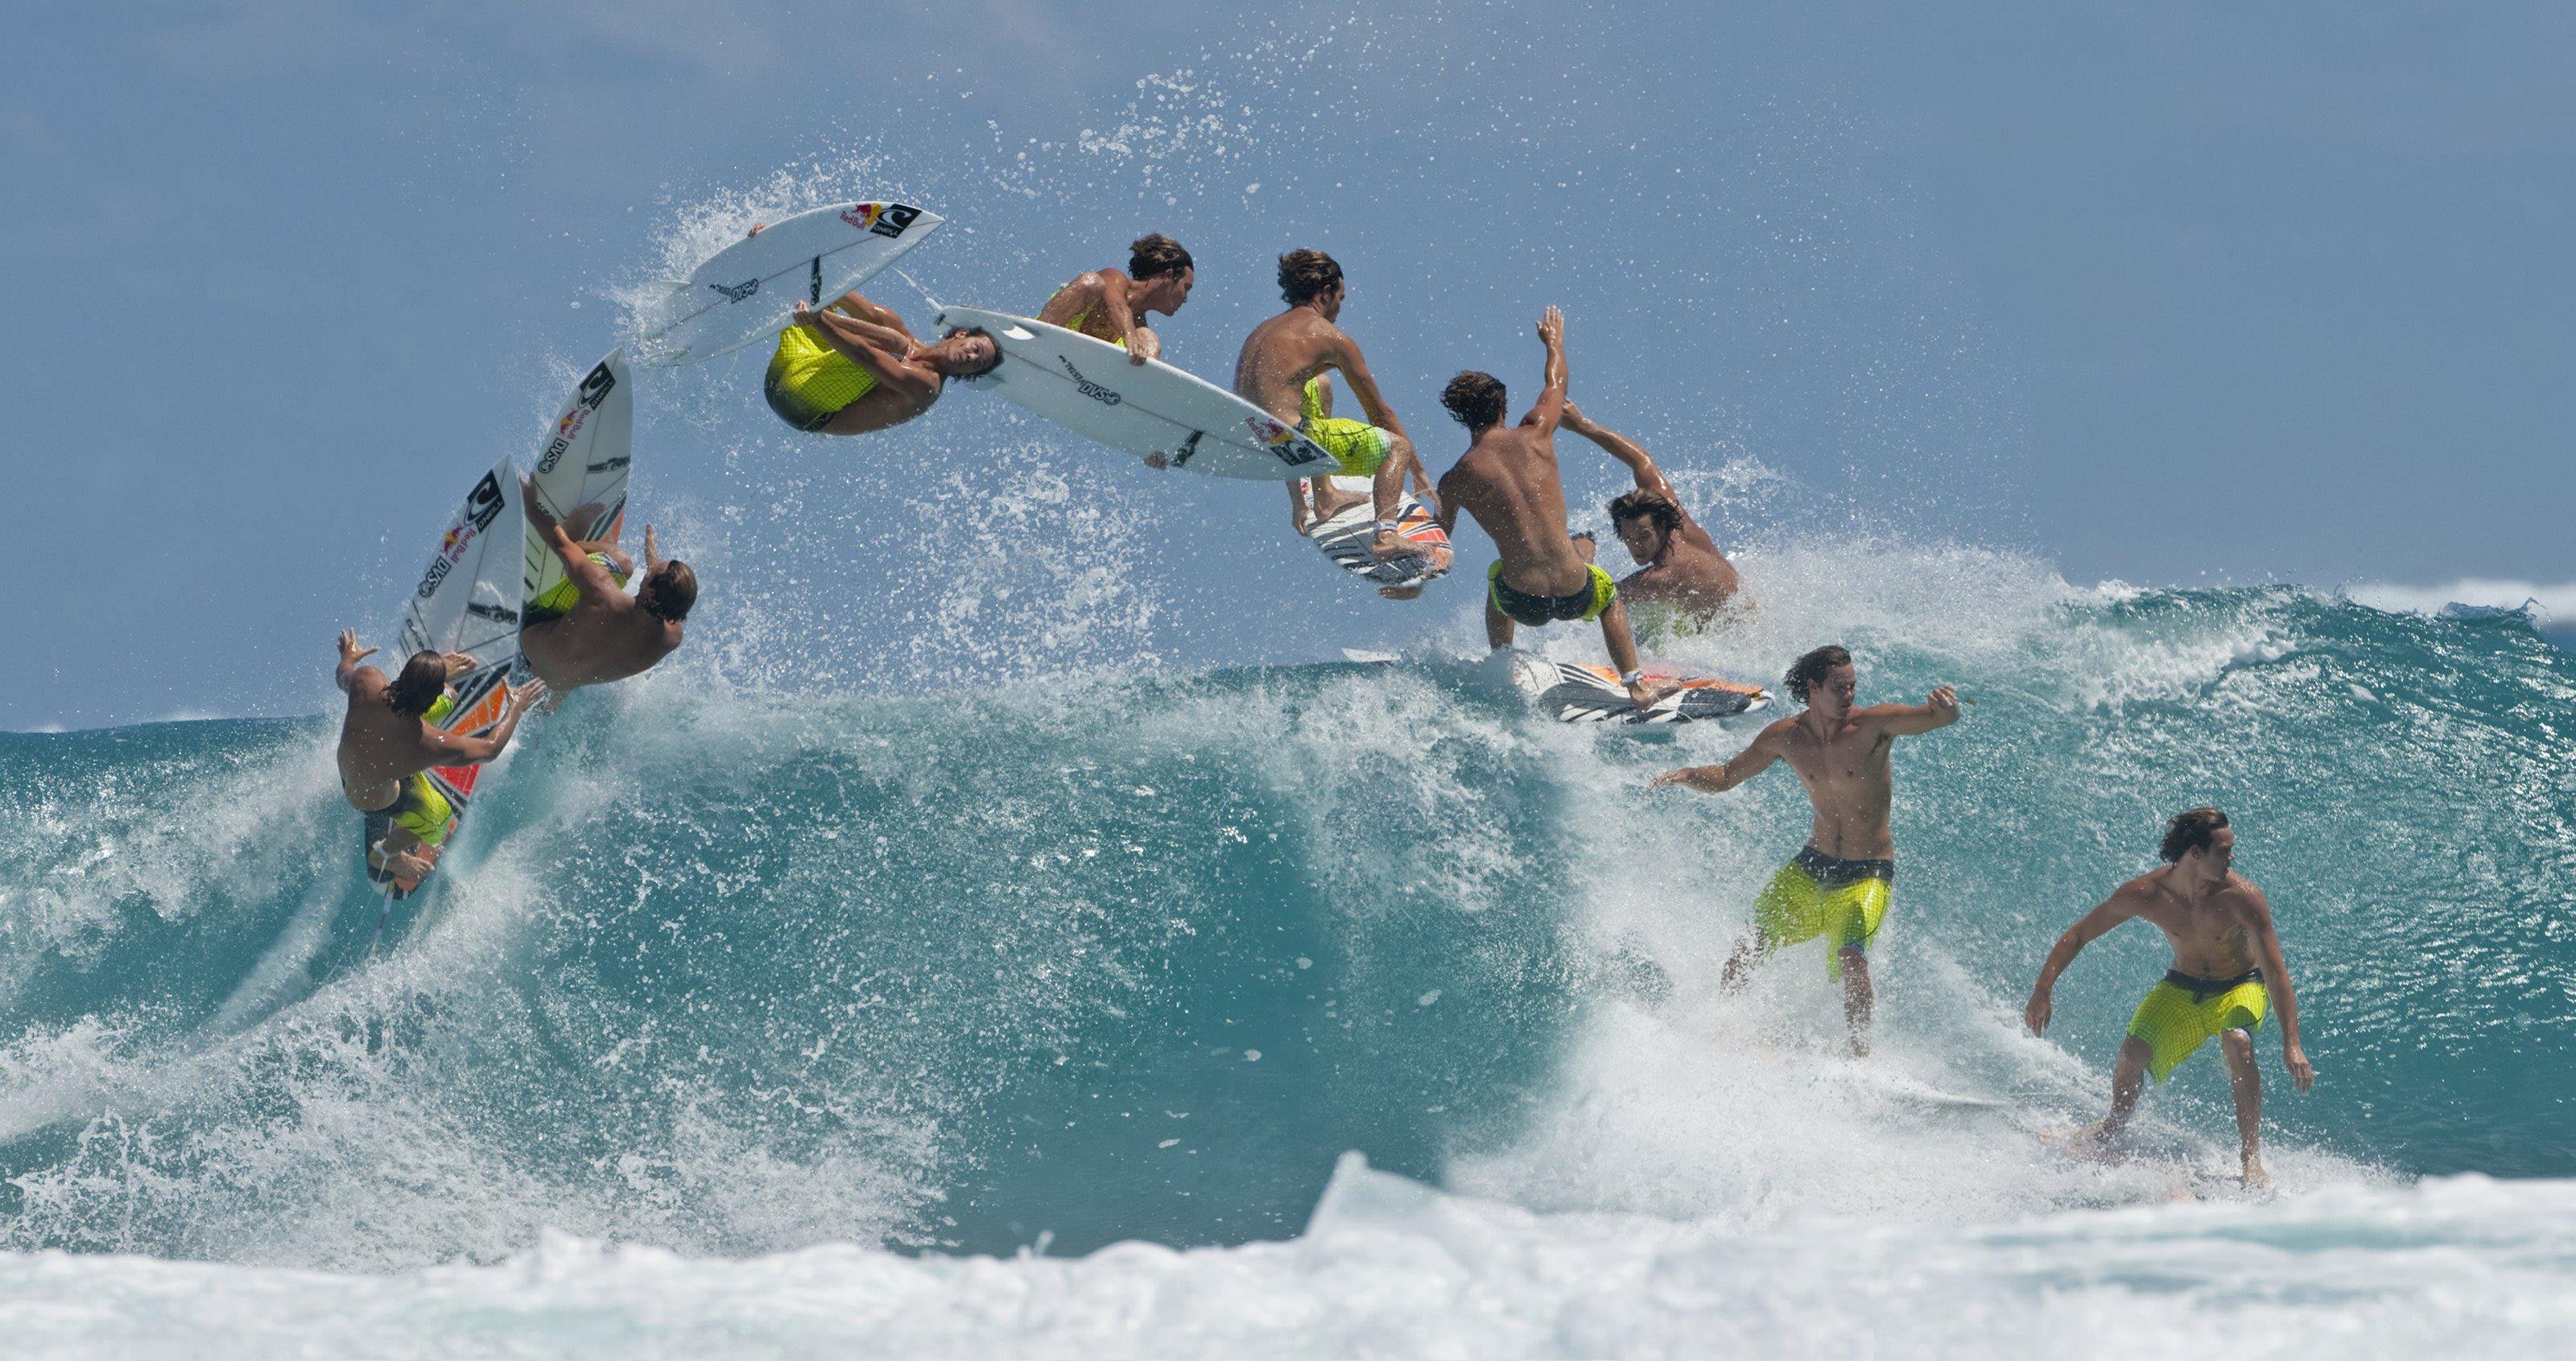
(1089, 387)
(1572, 693)
(1345, 538)
(744, 292)
(580, 476)
(468, 601)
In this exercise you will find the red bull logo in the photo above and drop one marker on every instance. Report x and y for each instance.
(1266, 430)
(572, 422)
(862, 216)
(453, 546)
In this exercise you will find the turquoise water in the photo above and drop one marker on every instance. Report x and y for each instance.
(732, 971)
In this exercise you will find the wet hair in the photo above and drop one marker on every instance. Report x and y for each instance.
(1645, 505)
(2190, 830)
(956, 331)
(1155, 254)
(1475, 400)
(668, 591)
(423, 680)
(1809, 671)
(1305, 274)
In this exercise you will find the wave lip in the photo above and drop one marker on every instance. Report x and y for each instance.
(2462, 1265)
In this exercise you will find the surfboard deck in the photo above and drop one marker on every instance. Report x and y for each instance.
(1575, 693)
(1344, 540)
(580, 476)
(1088, 386)
(745, 292)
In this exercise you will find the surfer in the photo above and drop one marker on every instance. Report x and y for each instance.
(589, 631)
(1278, 371)
(1679, 564)
(1841, 883)
(1108, 304)
(1507, 480)
(388, 744)
(854, 367)
(2227, 973)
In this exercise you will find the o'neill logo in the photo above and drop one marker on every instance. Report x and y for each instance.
(737, 292)
(1090, 389)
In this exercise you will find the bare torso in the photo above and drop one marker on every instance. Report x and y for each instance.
(1280, 355)
(1508, 482)
(1848, 779)
(2212, 936)
(1085, 298)
(1691, 575)
(602, 640)
(378, 747)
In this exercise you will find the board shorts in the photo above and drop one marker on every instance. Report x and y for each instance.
(1357, 446)
(421, 811)
(2182, 1013)
(1537, 611)
(558, 599)
(1817, 894)
(809, 382)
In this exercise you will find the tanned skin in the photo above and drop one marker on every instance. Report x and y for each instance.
(379, 748)
(1271, 373)
(1117, 305)
(1682, 568)
(1840, 753)
(2219, 926)
(609, 635)
(909, 374)
(1508, 483)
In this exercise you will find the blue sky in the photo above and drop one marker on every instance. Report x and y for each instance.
(2167, 293)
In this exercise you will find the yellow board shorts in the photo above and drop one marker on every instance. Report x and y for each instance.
(1357, 446)
(809, 382)
(2182, 1013)
(1585, 603)
(421, 811)
(557, 600)
(1820, 895)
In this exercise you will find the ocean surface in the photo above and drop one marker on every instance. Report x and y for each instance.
(1314, 1009)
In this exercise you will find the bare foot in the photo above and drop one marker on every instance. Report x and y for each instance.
(1386, 545)
(2256, 1178)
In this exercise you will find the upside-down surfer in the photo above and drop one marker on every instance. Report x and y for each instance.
(588, 630)
(2226, 967)
(1508, 481)
(1277, 371)
(388, 744)
(853, 367)
(1110, 304)
(1680, 566)
(1840, 884)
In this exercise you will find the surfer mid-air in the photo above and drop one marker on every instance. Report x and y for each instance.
(1276, 370)
(1840, 884)
(2227, 973)
(594, 632)
(854, 368)
(1107, 304)
(388, 742)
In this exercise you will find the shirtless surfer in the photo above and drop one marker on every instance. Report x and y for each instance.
(1680, 565)
(854, 367)
(388, 744)
(588, 630)
(1108, 304)
(1841, 884)
(1277, 371)
(2227, 972)
(1508, 482)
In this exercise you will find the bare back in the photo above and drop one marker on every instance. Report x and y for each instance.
(2214, 936)
(1849, 780)
(1281, 354)
(1508, 482)
(607, 637)
(378, 747)
(1690, 574)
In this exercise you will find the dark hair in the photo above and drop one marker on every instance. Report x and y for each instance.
(1305, 274)
(956, 331)
(1809, 671)
(1154, 254)
(1645, 505)
(668, 591)
(1475, 400)
(2190, 830)
(423, 680)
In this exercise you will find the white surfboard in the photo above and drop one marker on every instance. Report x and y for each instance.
(1345, 538)
(1572, 693)
(580, 476)
(745, 292)
(1088, 386)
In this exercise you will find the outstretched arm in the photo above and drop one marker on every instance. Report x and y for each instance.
(2112, 911)
(652, 552)
(453, 750)
(1641, 465)
(2276, 981)
(1551, 396)
(1939, 710)
(1751, 761)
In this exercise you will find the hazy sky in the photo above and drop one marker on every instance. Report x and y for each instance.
(2163, 293)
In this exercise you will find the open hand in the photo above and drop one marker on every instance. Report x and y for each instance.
(2036, 1014)
(1646, 696)
(350, 653)
(524, 695)
(1551, 326)
(1945, 699)
(1670, 778)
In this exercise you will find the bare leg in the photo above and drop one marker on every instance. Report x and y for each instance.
(2245, 1082)
(2128, 1078)
(1498, 626)
(1331, 500)
(1858, 998)
(874, 313)
(1388, 491)
(1301, 501)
